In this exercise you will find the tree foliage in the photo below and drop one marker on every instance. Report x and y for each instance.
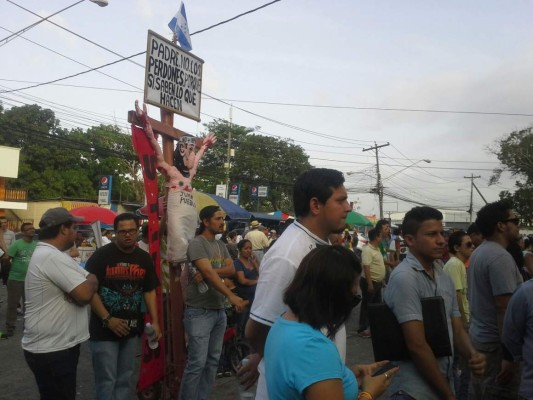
(60, 163)
(515, 153)
(259, 160)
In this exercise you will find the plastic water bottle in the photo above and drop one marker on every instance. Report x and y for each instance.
(244, 393)
(149, 330)
(202, 286)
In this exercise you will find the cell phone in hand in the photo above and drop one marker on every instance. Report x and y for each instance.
(381, 370)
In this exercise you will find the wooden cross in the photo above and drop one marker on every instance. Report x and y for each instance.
(166, 130)
(175, 357)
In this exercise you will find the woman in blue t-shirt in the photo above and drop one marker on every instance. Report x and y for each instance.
(301, 361)
(247, 273)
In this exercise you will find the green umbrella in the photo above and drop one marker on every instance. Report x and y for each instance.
(354, 218)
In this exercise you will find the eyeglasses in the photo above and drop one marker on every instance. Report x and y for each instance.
(469, 244)
(127, 232)
(515, 221)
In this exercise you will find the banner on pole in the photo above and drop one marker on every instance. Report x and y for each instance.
(153, 360)
(234, 193)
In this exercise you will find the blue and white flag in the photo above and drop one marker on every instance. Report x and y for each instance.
(179, 26)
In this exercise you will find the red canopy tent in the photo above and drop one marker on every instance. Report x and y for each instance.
(91, 214)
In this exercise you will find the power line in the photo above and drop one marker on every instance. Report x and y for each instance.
(21, 31)
(234, 18)
(212, 97)
(401, 165)
(75, 34)
(309, 143)
(70, 76)
(137, 54)
(139, 90)
(70, 59)
(66, 141)
(73, 111)
(290, 126)
(314, 133)
(128, 58)
(426, 172)
(421, 110)
(230, 100)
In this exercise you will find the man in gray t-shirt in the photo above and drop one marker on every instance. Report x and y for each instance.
(492, 279)
(424, 376)
(204, 318)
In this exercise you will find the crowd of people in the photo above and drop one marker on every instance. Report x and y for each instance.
(293, 295)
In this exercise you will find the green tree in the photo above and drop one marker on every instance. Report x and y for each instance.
(259, 160)
(515, 153)
(58, 163)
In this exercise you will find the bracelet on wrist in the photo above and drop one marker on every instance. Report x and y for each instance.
(105, 321)
(365, 396)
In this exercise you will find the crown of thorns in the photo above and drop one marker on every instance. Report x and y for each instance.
(187, 140)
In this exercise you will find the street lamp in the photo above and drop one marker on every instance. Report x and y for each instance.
(409, 166)
(101, 3)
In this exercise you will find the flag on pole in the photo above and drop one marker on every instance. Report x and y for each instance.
(179, 26)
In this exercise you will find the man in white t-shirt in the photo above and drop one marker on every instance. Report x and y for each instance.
(58, 292)
(107, 235)
(321, 205)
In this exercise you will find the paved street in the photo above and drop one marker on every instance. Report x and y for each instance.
(17, 382)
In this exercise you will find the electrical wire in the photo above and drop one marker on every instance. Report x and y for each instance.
(287, 125)
(70, 76)
(234, 18)
(139, 90)
(21, 31)
(79, 36)
(400, 165)
(70, 59)
(421, 110)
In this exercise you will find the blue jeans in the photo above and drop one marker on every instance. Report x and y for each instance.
(461, 377)
(484, 388)
(55, 372)
(113, 363)
(205, 330)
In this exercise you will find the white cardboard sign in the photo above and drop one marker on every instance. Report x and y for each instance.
(173, 77)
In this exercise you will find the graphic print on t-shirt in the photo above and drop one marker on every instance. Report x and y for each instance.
(122, 291)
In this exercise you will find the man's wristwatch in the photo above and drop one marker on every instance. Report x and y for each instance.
(105, 321)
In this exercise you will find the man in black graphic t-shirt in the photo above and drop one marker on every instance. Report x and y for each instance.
(126, 275)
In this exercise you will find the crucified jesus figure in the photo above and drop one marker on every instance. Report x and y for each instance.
(182, 217)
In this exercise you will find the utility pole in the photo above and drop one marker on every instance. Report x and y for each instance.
(471, 209)
(228, 164)
(379, 185)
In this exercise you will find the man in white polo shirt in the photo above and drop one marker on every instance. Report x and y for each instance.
(321, 205)
(58, 292)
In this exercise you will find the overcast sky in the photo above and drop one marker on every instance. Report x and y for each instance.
(347, 55)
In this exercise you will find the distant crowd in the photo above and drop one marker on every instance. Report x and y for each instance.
(457, 303)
